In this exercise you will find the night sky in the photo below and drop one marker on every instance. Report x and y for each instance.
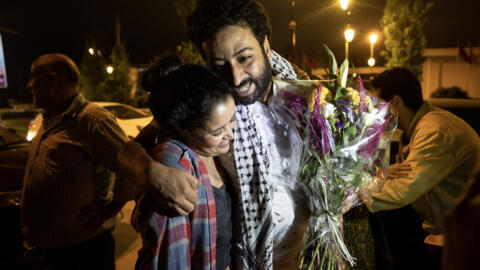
(30, 28)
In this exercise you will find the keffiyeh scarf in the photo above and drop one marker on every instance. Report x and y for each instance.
(252, 165)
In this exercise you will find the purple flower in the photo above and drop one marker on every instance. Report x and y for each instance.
(343, 101)
(374, 134)
(338, 123)
(295, 105)
(363, 100)
(320, 134)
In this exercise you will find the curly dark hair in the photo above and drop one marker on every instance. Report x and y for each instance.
(212, 15)
(183, 96)
(402, 82)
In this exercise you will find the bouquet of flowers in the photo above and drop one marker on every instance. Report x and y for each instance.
(345, 133)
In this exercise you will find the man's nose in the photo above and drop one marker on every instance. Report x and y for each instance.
(237, 75)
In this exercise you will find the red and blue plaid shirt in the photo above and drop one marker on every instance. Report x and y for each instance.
(185, 242)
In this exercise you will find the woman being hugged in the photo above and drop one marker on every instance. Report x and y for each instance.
(196, 112)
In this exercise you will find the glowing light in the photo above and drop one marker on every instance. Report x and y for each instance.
(109, 69)
(373, 38)
(371, 61)
(349, 34)
(91, 51)
(344, 4)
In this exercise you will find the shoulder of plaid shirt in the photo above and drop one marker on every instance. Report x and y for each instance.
(184, 241)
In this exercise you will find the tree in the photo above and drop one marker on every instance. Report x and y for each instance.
(92, 71)
(403, 22)
(186, 49)
(189, 53)
(117, 85)
(97, 85)
(184, 8)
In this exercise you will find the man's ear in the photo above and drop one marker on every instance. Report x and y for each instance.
(397, 100)
(266, 48)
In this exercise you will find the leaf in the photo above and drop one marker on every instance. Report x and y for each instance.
(338, 93)
(332, 62)
(344, 73)
(351, 131)
(353, 74)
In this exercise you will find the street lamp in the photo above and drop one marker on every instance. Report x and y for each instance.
(349, 33)
(109, 69)
(91, 51)
(373, 38)
(344, 4)
(371, 62)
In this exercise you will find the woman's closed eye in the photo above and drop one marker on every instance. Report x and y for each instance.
(217, 133)
(221, 130)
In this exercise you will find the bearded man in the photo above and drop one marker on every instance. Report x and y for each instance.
(272, 217)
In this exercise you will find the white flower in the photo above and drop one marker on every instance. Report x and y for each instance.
(328, 109)
(370, 117)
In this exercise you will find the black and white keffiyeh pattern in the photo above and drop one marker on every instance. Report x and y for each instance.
(282, 68)
(252, 165)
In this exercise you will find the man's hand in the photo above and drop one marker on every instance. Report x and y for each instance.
(94, 215)
(174, 190)
(398, 170)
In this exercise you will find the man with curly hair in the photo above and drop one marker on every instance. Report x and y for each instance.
(270, 219)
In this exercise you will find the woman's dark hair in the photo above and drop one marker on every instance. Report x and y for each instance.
(182, 96)
(401, 82)
(212, 15)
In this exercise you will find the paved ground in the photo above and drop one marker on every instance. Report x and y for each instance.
(127, 241)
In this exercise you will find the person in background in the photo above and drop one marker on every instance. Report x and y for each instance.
(449, 92)
(443, 152)
(196, 111)
(67, 191)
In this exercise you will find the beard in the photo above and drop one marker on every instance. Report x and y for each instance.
(262, 82)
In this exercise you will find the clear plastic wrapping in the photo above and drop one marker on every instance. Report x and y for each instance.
(346, 136)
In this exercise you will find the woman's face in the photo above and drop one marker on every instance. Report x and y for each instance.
(214, 138)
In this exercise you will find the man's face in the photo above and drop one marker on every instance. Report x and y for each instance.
(235, 54)
(41, 86)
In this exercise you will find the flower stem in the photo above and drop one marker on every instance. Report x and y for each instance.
(314, 255)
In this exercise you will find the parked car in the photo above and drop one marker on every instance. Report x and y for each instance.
(13, 159)
(130, 119)
(18, 119)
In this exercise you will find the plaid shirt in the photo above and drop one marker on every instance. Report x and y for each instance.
(185, 242)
